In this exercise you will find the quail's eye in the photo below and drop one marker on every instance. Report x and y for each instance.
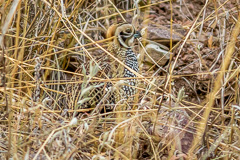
(128, 30)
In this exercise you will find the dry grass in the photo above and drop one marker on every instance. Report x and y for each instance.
(53, 51)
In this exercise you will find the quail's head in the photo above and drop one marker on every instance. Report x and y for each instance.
(124, 34)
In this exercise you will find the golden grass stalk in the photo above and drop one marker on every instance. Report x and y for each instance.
(217, 85)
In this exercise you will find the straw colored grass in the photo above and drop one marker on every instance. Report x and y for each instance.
(54, 51)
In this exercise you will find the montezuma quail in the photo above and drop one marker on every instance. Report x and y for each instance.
(121, 48)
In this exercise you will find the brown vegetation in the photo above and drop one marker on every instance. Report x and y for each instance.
(187, 103)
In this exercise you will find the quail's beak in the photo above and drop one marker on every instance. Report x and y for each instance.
(137, 34)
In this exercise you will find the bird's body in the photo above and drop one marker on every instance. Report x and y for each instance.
(131, 62)
(122, 49)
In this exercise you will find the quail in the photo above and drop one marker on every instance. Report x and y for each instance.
(121, 48)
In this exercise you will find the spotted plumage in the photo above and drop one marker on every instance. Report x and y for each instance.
(128, 57)
(131, 62)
